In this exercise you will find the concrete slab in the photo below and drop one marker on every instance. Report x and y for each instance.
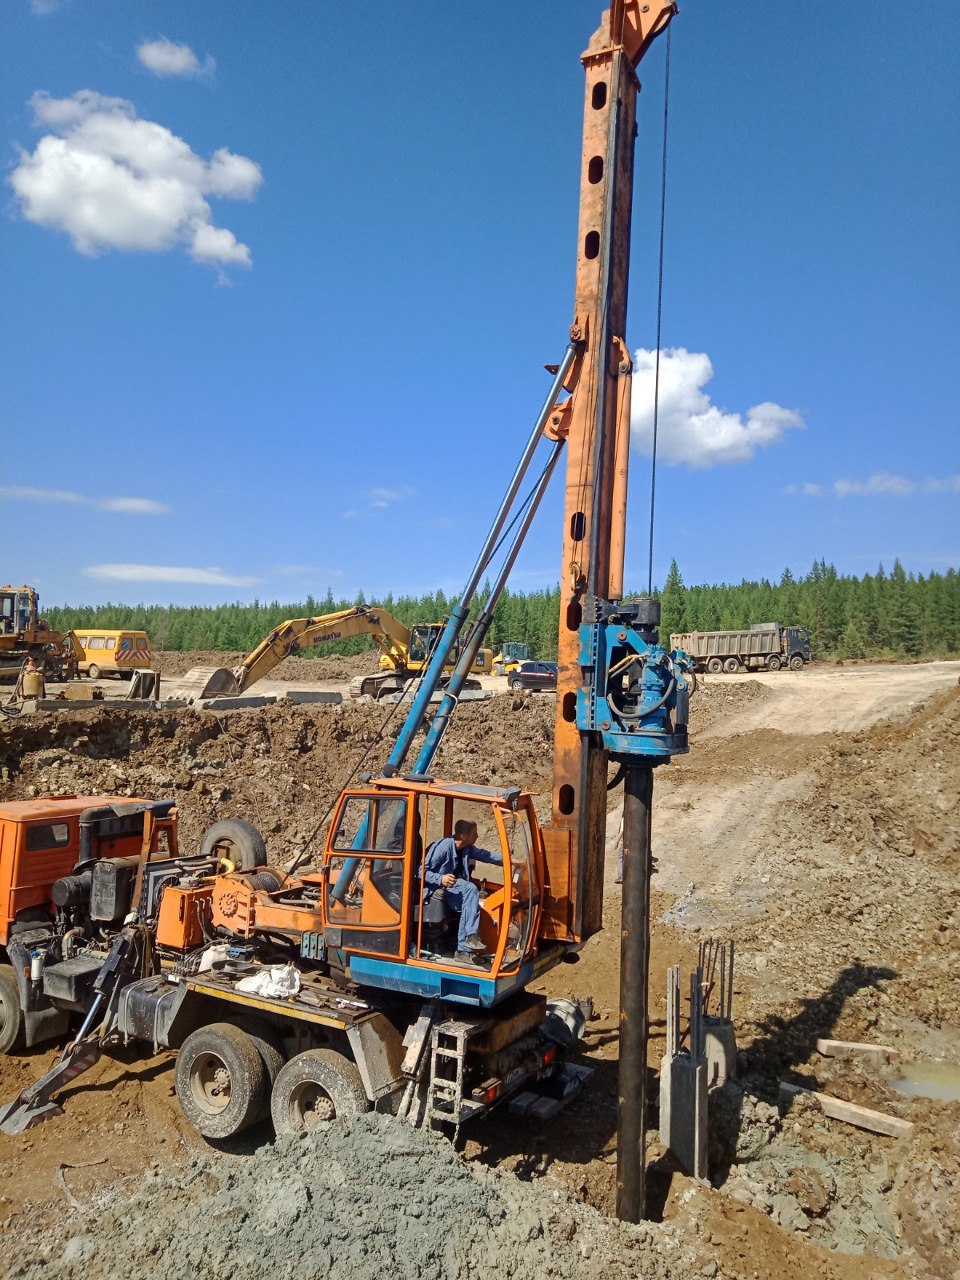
(854, 1048)
(234, 704)
(850, 1112)
(298, 696)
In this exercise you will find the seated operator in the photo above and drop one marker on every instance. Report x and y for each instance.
(448, 867)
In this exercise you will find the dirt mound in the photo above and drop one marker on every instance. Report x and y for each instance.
(863, 870)
(717, 701)
(294, 670)
(282, 766)
(362, 1199)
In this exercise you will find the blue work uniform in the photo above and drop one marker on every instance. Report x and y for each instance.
(444, 858)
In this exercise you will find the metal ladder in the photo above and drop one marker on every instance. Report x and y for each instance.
(445, 1099)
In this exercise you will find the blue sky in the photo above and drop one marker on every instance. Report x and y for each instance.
(345, 410)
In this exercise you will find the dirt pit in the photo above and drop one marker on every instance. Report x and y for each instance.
(830, 857)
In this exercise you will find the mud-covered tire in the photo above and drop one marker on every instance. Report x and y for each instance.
(221, 1081)
(11, 1014)
(796, 663)
(93, 672)
(316, 1086)
(240, 841)
(267, 1044)
(774, 663)
(714, 666)
(731, 665)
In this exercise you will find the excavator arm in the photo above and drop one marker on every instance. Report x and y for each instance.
(389, 634)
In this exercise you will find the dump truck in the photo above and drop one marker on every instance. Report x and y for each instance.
(763, 646)
(41, 841)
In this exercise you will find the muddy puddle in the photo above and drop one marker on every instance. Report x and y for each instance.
(939, 1081)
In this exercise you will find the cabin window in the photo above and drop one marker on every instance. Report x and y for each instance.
(365, 883)
(43, 836)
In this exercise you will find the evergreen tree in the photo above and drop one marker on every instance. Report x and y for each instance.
(672, 614)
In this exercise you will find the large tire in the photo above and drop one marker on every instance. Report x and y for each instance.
(11, 1014)
(774, 663)
(714, 666)
(221, 1081)
(316, 1086)
(731, 665)
(239, 840)
(796, 662)
(267, 1043)
(93, 671)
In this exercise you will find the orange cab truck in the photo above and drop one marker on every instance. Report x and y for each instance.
(41, 841)
(313, 995)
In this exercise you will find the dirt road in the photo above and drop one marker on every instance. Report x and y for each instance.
(816, 822)
(836, 699)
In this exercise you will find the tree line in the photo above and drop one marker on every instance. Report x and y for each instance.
(882, 614)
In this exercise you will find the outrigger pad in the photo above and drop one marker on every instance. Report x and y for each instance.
(545, 1098)
(35, 1104)
(16, 1118)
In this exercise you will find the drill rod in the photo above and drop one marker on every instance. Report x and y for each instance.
(634, 978)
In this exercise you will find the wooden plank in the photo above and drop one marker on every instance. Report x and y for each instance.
(851, 1112)
(852, 1048)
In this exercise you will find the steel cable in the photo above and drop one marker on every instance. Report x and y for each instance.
(656, 381)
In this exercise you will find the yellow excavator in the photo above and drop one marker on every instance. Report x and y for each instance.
(512, 653)
(404, 653)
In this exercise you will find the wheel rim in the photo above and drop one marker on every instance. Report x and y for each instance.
(6, 1014)
(310, 1104)
(210, 1084)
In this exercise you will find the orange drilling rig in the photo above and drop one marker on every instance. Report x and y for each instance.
(349, 986)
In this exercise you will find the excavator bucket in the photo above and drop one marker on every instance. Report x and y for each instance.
(204, 682)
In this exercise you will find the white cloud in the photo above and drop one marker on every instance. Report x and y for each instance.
(164, 58)
(113, 181)
(183, 574)
(874, 485)
(42, 7)
(123, 506)
(387, 497)
(881, 485)
(692, 430)
(379, 499)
